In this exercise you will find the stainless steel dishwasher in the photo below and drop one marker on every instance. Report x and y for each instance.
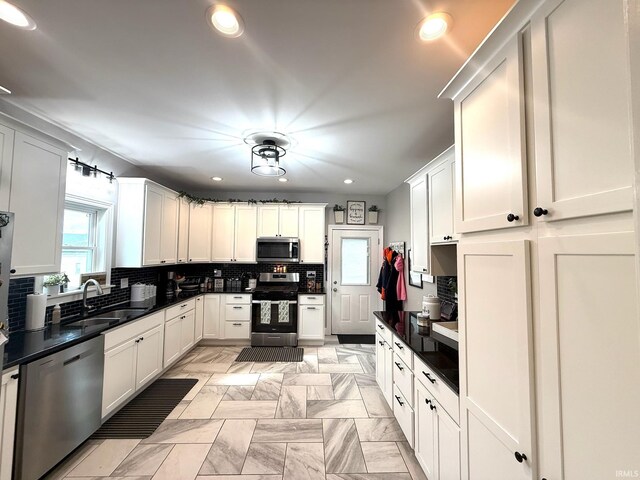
(59, 406)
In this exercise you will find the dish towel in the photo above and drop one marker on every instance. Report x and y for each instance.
(265, 312)
(283, 311)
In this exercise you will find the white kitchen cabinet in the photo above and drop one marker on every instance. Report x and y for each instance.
(119, 381)
(441, 198)
(187, 332)
(490, 146)
(152, 230)
(169, 230)
(581, 393)
(235, 315)
(384, 368)
(312, 233)
(244, 247)
(8, 409)
(404, 414)
(419, 209)
(200, 230)
(278, 221)
(212, 327)
(184, 211)
(179, 335)
(496, 387)
(149, 356)
(38, 179)
(581, 98)
(6, 160)
(311, 322)
(199, 319)
(234, 233)
(448, 446)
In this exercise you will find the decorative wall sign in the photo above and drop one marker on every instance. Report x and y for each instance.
(355, 212)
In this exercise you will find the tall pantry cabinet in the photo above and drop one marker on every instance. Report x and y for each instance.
(549, 311)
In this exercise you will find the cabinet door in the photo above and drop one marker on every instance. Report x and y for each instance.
(169, 239)
(183, 230)
(312, 230)
(245, 233)
(589, 415)
(581, 95)
(200, 220)
(289, 219)
(37, 198)
(448, 441)
(419, 225)
(172, 339)
(387, 391)
(6, 160)
(222, 235)
(119, 375)
(149, 355)
(237, 330)
(311, 322)
(153, 200)
(187, 331)
(268, 221)
(441, 190)
(8, 409)
(380, 358)
(426, 435)
(496, 386)
(212, 328)
(490, 147)
(199, 320)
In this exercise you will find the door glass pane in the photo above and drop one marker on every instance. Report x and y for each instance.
(77, 228)
(354, 257)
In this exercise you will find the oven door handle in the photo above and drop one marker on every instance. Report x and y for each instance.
(274, 302)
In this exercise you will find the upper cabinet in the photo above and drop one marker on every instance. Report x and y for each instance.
(441, 190)
(234, 232)
(37, 188)
(147, 230)
(183, 230)
(200, 225)
(6, 158)
(311, 233)
(419, 222)
(278, 221)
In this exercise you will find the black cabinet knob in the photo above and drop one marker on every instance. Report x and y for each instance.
(15, 376)
(427, 401)
(520, 457)
(381, 343)
(13, 270)
(511, 217)
(538, 212)
(432, 407)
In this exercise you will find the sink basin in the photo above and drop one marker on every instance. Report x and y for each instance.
(108, 317)
(92, 322)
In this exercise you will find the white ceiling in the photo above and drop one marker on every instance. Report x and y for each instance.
(150, 81)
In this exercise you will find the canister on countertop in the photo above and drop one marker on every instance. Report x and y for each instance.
(431, 306)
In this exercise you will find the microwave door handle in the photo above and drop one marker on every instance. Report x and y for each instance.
(290, 249)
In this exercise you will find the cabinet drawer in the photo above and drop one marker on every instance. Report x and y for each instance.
(403, 378)
(240, 313)
(180, 308)
(442, 393)
(311, 299)
(384, 332)
(404, 414)
(237, 299)
(400, 349)
(237, 330)
(119, 335)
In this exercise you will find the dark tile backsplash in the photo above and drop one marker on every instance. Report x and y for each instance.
(444, 290)
(21, 287)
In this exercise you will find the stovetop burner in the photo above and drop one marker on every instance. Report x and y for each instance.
(277, 286)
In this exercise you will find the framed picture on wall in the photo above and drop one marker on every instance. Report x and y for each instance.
(355, 212)
(415, 278)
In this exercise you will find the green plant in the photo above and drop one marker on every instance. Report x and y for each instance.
(56, 279)
(374, 208)
(338, 208)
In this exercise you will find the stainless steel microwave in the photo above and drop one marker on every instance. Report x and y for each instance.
(277, 250)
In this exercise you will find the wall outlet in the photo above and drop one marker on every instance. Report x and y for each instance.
(124, 283)
(311, 274)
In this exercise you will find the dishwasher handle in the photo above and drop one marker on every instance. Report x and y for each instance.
(71, 360)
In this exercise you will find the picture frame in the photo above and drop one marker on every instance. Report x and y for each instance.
(356, 212)
(415, 278)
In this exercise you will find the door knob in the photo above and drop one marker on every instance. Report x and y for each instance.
(335, 289)
(335, 282)
(511, 217)
(538, 212)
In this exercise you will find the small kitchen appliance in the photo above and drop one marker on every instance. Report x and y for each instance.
(274, 310)
(277, 250)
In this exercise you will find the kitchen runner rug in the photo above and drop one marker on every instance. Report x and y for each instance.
(144, 414)
(357, 339)
(271, 354)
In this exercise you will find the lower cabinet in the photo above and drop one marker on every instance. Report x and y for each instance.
(179, 336)
(227, 316)
(384, 366)
(132, 358)
(199, 319)
(237, 330)
(211, 325)
(8, 407)
(404, 414)
(311, 317)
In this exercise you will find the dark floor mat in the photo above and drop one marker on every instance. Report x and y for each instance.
(271, 354)
(355, 339)
(144, 414)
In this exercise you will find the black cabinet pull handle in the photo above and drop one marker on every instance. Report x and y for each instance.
(399, 346)
(520, 457)
(380, 327)
(141, 338)
(511, 217)
(432, 407)
(381, 343)
(538, 212)
(15, 376)
(399, 366)
(432, 380)
(427, 401)
(399, 400)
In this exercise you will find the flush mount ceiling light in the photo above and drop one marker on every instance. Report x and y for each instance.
(283, 180)
(225, 20)
(16, 16)
(265, 159)
(348, 181)
(216, 179)
(434, 26)
(4, 91)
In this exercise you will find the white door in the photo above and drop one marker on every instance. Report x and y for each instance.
(6, 159)
(172, 339)
(183, 231)
(169, 240)
(153, 200)
(311, 231)
(211, 326)
(200, 219)
(356, 256)
(199, 320)
(223, 233)
(380, 356)
(441, 190)
(589, 325)
(268, 218)
(419, 225)
(311, 322)
(289, 221)
(245, 233)
(119, 375)
(187, 331)
(426, 448)
(448, 446)
(149, 355)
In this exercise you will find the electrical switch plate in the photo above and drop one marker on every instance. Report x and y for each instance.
(124, 283)
(311, 273)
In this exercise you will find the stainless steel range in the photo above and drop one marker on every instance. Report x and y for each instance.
(274, 310)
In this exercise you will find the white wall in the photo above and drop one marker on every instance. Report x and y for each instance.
(398, 229)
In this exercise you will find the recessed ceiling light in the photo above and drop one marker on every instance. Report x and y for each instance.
(283, 180)
(348, 181)
(225, 20)
(216, 179)
(434, 26)
(4, 91)
(16, 16)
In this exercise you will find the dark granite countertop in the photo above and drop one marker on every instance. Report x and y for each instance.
(25, 347)
(435, 350)
(306, 292)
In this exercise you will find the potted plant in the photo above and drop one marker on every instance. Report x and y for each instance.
(338, 213)
(373, 214)
(55, 283)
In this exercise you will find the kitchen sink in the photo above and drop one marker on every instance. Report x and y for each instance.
(108, 317)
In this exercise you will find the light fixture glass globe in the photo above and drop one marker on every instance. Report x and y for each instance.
(225, 20)
(434, 26)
